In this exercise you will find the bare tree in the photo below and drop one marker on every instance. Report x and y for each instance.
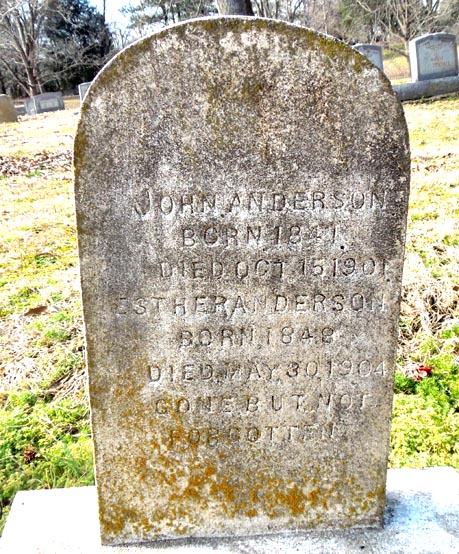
(288, 10)
(398, 19)
(53, 43)
(122, 36)
(21, 23)
(235, 7)
(149, 15)
(322, 15)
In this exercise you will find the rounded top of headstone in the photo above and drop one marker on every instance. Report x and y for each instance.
(237, 76)
(199, 32)
(434, 36)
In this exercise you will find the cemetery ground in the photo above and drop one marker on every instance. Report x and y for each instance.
(44, 415)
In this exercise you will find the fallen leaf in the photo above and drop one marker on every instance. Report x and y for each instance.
(29, 454)
(417, 372)
(41, 161)
(37, 311)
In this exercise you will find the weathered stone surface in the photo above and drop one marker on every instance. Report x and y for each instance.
(433, 56)
(421, 517)
(373, 52)
(46, 102)
(241, 192)
(7, 110)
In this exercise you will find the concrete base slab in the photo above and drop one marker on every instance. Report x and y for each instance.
(422, 517)
(425, 89)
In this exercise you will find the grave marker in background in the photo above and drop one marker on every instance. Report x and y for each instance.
(433, 56)
(20, 109)
(241, 240)
(7, 110)
(373, 52)
(83, 89)
(47, 102)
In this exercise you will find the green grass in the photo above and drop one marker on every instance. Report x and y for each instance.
(43, 444)
(44, 416)
(44, 419)
(425, 427)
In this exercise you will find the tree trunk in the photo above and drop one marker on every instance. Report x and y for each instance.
(235, 7)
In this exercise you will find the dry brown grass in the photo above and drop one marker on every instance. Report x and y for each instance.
(38, 261)
(431, 275)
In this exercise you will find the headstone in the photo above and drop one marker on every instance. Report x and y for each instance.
(7, 111)
(373, 52)
(83, 89)
(20, 109)
(433, 56)
(47, 102)
(241, 240)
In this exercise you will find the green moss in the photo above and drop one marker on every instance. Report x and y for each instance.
(404, 384)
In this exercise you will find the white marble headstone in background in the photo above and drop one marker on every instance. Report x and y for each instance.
(433, 56)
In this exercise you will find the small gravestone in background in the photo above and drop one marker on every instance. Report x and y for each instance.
(433, 56)
(83, 89)
(373, 52)
(47, 102)
(7, 109)
(241, 241)
(20, 109)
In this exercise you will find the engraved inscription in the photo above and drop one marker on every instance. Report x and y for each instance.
(342, 267)
(226, 307)
(275, 435)
(240, 336)
(216, 269)
(151, 202)
(269, 269)
(298, 402)
(220, 236)
(264, 372)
